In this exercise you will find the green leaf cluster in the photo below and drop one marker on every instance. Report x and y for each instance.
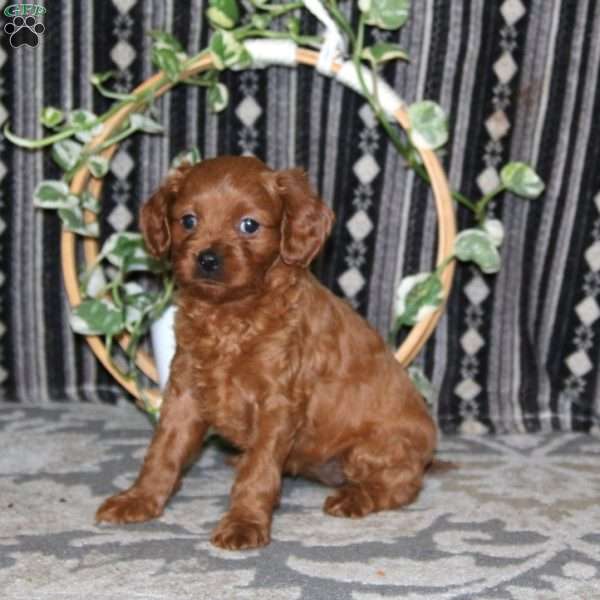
(418, 296)
(223, 14)
(227, 51)
(385, 14)
(428, 125)
(168, 54)
(121, 304)
(55, 195)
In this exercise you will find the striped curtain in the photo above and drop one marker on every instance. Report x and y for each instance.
(514, 352)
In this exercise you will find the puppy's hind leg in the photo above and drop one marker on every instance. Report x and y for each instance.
(382, 472)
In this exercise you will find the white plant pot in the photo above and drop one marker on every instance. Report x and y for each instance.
(162, 334)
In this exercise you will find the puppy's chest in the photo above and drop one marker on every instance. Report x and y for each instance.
(216, 346)
(235, 367)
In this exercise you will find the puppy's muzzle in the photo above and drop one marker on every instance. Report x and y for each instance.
(209, 263)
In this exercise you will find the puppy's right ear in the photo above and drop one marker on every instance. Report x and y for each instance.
(154, 216)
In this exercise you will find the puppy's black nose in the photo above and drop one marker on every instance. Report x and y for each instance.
(209, 262)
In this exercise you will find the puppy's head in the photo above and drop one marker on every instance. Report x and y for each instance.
(226, 221)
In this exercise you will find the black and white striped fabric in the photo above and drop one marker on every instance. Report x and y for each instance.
(514, 352)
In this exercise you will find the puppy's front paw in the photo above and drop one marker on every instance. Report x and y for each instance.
(349, 501)
(239, 534)
(131, 506)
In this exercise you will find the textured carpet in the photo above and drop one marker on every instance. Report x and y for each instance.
(518, 519)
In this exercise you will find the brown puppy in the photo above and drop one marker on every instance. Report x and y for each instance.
(276, 363)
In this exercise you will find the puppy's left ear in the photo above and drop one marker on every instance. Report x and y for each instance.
(307, 220)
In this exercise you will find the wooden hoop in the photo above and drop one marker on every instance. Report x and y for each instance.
(412, 344)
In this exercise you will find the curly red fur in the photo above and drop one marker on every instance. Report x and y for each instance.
(271, 359)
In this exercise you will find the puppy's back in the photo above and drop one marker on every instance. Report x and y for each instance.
(355, 382)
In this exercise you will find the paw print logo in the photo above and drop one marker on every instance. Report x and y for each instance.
(24, 31)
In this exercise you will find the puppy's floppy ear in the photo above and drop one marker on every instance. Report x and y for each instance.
(307, 220)
(154, 224)
(154, 217)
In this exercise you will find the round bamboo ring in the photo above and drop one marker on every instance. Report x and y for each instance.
(83, 180)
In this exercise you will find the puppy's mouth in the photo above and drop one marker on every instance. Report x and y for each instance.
(210, 282)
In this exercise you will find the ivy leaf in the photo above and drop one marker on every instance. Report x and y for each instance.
(51, 117)
(86, 124)
(226, 51)
(385, 14)
(223, 13)
(476, 245)
(51, 194)
(428, 125)
(118, 246)
(167, 60)
(261, 22)
(66, 154)
(382, 52)
(90, 202)
(191, 156)
(495, 229)
(521, 179)
(82, 119)
(98, 165)
(418, 296)
(218, 97)
(244, 60)
(165, 40)
(141, 122)
(72, 219)
(97, 317)
(126, 251)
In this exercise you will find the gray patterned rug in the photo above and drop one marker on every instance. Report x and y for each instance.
(519, 518)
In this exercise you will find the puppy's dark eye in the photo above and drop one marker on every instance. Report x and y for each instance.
(189, 222)
(248, 225)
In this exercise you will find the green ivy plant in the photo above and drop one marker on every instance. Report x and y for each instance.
(114, 301)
